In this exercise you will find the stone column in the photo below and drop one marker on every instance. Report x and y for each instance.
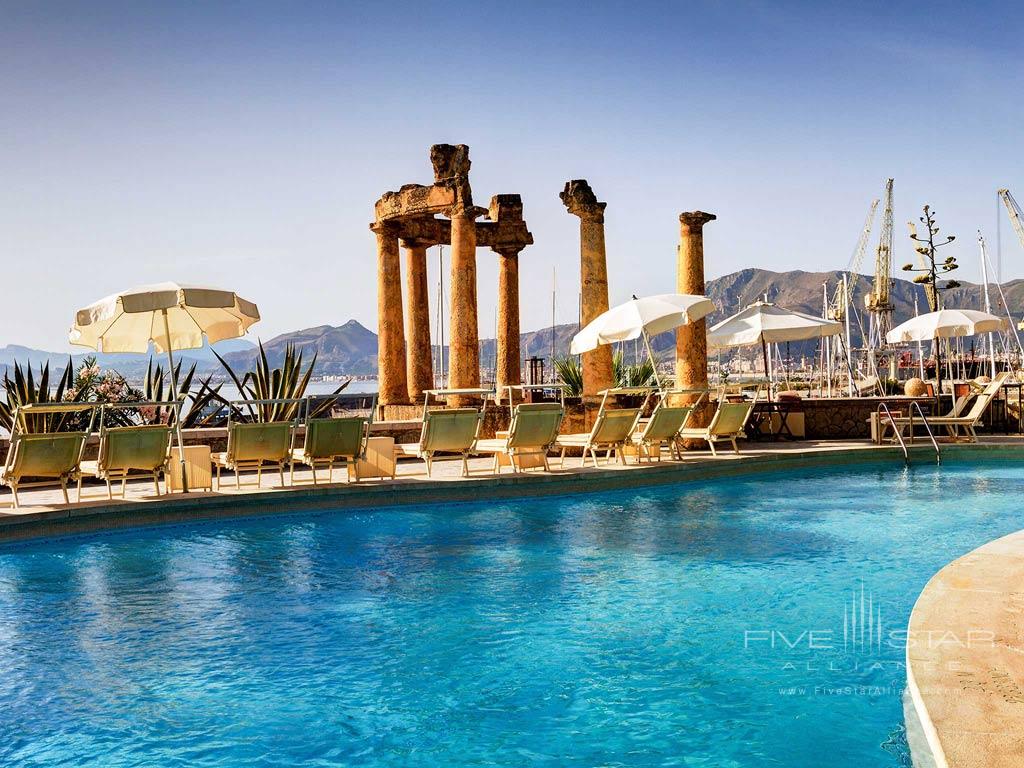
(691, 339)
(464, 364)
(508, 370)
(581, 201)
(417, 323)
(391, 374)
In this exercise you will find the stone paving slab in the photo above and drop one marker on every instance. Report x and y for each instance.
(965, 664)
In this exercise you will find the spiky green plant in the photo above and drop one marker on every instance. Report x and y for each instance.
(570, 373)
(633, 375)
(289, 382)
(156, 386)
(23, 389)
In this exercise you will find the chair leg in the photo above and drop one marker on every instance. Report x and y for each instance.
(78, 493)
(561, 458)
(426, 460)
(280, 472)
(711, 445)
(64, 488)
(156, 481)
(735, 448)
(110, 492)
(124, 484)
(465, 465)
(14, 493)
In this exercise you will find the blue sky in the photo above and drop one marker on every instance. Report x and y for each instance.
(243, 144)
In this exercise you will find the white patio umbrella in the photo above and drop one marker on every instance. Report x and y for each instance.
(945, 324)
(170, 317)
(766, 324)
(647, 316)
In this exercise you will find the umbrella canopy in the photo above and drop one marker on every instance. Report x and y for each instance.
(647, 316)
(169, 315)
(767, 323)
(944, 324)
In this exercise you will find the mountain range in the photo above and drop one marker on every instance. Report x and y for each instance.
(351, 348)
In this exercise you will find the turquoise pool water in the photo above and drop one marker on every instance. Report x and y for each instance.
(691, 625)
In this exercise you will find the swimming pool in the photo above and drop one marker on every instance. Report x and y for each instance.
(747, 621)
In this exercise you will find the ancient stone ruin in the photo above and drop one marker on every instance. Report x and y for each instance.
(417, 217)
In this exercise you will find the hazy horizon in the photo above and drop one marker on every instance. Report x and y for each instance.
(244, 145)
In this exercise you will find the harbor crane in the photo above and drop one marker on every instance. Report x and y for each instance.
(1017, 219)
(837, 306)
(879, 302)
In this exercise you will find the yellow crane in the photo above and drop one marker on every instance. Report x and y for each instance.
(837, 305)
(1017, 220)
(879, 301)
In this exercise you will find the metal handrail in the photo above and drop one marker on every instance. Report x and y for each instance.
(882, 407)
(935, 444)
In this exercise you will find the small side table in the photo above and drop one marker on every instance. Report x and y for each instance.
(198, 470)
(379, 460)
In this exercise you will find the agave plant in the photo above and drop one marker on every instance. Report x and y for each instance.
(23, 389)
(288, 382)
(570, 373)
(634, 375)
(198, 413)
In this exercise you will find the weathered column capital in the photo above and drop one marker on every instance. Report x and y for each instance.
(387, 228)
(508, 251)
(411, 243)
(696, 219)
(581, 201)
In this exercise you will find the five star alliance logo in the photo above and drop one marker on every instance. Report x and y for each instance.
(862, 622)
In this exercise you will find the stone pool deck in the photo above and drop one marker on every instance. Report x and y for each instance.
(965, 659)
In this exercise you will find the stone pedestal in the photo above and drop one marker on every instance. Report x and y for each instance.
(508, 368)
(581, 201)
(417, 329)
(691, 339)
(391, 373)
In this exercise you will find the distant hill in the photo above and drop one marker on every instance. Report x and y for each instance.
(345, 349)
(131, 365)
(351, 349)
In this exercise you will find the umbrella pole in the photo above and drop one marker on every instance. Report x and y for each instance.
(764, 356)
(654, 363)
(177, 405)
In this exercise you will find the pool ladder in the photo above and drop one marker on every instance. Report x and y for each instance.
(883, 408)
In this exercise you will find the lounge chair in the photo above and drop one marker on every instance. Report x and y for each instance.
(961, 427)
(47, 458)
(664, 426)
(531, 433)
(447, 430)
(729, 423)
(612, 430)
(330, 441)
(125, 449)
(251, 446)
